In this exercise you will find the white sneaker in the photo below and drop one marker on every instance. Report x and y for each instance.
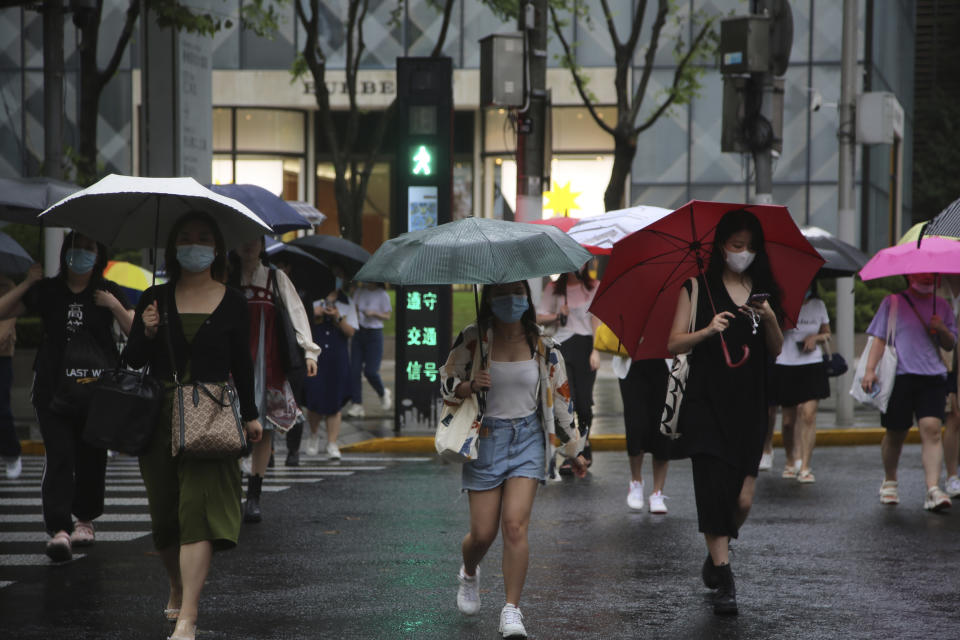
(468, 593)
(766, 461)
(355, 410)
(635, 497)
(511, 622)
(245, 465)
(313, 444)
(386, 401)
(936, 500)
(333, 451)
(952, 487)
(14, 467)
(657, 504)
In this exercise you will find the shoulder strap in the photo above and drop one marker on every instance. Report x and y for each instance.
(165, 324)
(694, 298)
(892, 320)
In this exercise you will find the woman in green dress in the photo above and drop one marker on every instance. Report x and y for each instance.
(194, 503)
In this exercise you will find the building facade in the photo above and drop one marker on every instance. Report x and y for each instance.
(265, 128)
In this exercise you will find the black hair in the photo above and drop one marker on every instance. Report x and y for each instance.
(235, 264)
(528, 320)
(560, 286)
(218, 270)
(98, 266)
(759, 270)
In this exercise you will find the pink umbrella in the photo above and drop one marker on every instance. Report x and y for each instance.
(934, 255)
(565, 223)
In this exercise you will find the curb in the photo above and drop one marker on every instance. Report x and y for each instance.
(602, 442)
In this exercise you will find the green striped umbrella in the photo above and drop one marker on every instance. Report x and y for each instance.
(474, 251)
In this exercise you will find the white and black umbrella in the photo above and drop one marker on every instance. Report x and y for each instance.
(135, 213)
(946, 223)
(842, 259)
(603, 231)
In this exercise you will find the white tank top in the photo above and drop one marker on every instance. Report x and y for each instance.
(513, 389)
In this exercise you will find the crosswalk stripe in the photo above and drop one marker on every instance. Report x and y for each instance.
(107, 517)
(110, 487)
(116, 502)
(28, 559)
(41, 536)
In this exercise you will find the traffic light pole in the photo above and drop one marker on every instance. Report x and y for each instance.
(763, 159)
(532, 120)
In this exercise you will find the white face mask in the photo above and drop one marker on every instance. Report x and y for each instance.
(740, 262)
(924, 289)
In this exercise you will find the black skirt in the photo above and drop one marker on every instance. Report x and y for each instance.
(644, 391)
(793, 385)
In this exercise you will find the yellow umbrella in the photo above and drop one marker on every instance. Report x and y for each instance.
(914, 232)
(132, 279)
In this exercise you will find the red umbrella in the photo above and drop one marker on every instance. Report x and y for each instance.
(637, 297)
(565, 223)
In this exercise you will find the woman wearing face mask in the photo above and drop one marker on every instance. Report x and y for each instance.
(800, 382)
(919, 389)
(723, 417)
(565, 304)
(194, 502)
(366, 349)
(527, 407)
(334, 322)
(276, 399)
(79, 306)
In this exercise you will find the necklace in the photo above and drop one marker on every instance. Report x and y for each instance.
(754, 318)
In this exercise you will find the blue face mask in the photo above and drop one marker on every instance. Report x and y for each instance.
(509, 308)
(339, 284)
(195, 257)
(81, 261)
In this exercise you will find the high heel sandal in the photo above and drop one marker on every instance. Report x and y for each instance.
(171, 614)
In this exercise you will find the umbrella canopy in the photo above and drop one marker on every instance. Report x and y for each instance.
(564, 223)
(637, 297)
(934, 255)
(309, 274)
(474, 251)
(946, 223)
(272, 209)
(913, 234)
(133, 279)
(132, 212)
(600, 233)
(335, 251)
(310, 213)
(22, 199)
(843, 259)
(14, 259)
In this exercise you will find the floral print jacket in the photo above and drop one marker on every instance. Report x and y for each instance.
(556, 405)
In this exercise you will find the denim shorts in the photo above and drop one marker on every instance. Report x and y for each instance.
(507, 448)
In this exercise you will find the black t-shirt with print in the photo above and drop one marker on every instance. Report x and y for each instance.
(63, 313)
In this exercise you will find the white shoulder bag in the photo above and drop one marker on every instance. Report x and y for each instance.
(459, 426)
(679, 372)
(886, 369)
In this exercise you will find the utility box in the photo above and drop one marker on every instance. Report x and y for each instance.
(745, 45)
(501, 70)
(879, 118)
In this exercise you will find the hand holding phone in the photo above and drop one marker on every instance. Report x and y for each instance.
(758, 298)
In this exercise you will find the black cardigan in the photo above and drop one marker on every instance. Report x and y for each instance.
(221, 346)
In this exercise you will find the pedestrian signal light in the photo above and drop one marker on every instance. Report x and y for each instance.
(421, 161)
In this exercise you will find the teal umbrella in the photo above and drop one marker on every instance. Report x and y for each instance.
(474, 251)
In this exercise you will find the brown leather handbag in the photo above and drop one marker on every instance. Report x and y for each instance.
(205, 420)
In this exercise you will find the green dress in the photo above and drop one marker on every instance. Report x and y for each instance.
(191, 499)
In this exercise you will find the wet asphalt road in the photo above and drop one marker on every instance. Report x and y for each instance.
(375, 556)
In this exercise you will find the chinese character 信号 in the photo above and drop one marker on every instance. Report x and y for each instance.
(414, 337)
(429, 337)
(413, 301)
(430, 371)
(430, 300)
(413, 370)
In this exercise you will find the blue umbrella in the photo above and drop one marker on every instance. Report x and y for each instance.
(13, 258)
(272, 209)
(22, 199)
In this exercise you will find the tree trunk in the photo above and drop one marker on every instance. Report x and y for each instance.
(624, 150)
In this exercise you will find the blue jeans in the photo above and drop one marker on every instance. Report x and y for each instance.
(9, 444)
(366, 353)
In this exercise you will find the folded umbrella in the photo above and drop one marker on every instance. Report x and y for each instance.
(133, 212)
(842, 259)
(637, 297)
(272, 209)
(335, 251)
(474, 251)
(600, 233)
(22, 199)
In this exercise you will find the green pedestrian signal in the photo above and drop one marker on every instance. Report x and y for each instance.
(422, 160)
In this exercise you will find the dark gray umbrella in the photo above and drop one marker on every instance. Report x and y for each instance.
(842, 259)
(22, 199)
(335, 251)
(309, 274)
(14, 259)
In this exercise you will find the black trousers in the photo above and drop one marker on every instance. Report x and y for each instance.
(576, 356)
(9, 443)
(73, 474)
(294, 437)
(716, 488)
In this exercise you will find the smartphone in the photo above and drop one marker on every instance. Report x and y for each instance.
(758, 297)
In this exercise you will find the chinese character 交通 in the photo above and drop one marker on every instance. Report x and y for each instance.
(429, 336)
(414, 337)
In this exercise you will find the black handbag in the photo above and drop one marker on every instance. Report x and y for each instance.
(84, 360)
(834, 363)
(292, 357)
(124, 410)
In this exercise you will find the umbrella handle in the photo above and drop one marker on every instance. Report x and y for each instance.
(726, 355)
